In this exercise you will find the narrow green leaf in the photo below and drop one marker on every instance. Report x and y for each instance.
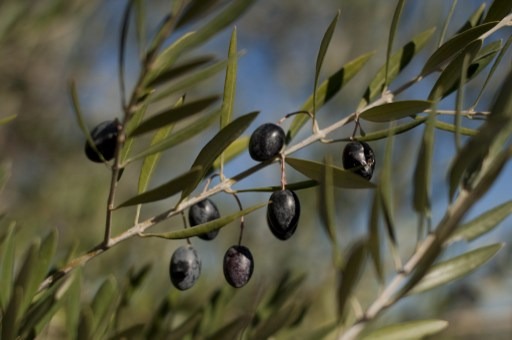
(125, 24)
(397, 62)
(327, 90)
(341, 178)
(7, 267)
(140, 25)
(196, 10)
(165, 190)
(280, 319)
(474, 20)
(12, 315)
(173, 115)
(327, 205)
(374, 241)
(453, 47)
(7, 119)
(451, 128)
(408, 330)
(350, 275)
(447, 22)
(206, 227)
(392, 32)
(324, 45)
(103, 306)
(396, 110)
(217, 145)
(456, 267)
(235, 149)
(130, 126)
(181, 69)
(233, 329)
(291, 186)
(482, 224)
(499, 9)
(177, 137)
(228, 101)
(72, 305)
(86, 325)
(187, 326)
(27, 275)
(396, 130)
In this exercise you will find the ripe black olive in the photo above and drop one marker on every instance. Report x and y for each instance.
(266, 142)
(360, 157)
(238, 266)
(105, 139)
(283, 213)
(185, 267)
(202, 212)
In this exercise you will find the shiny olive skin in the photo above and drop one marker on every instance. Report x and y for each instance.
(185, 267)
(104, 136)
(360, 157)
(238, 265)
(266, 142)
(202, 212)
(283, 212)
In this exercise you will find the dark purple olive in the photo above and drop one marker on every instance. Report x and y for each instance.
(202, 212)
(185, 267)
(283, 212)
(266, 142)
(238, 266)
(105, 139)
(359, 156)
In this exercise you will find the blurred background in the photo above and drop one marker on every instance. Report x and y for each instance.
(46, 43)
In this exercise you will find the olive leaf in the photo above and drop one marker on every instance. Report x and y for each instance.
(498, 10)
(392, 32)
(418, 329)
(181, 69)
(396, 110)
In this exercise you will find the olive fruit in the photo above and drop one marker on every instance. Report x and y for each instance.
(202, 212)
(360, 157)
(266, 142)
(185, 267)
(104, 137)
(238, 266)
(283, 212)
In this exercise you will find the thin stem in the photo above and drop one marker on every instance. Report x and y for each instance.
(283, 172)
(242, 219)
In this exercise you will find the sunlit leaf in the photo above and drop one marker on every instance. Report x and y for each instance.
(498, 10)
(205, 227)
(217, 145)
(327, 90)
(482, 224)
(396, 110)
(341, 178)
(453, 47)
(397, 62)
(456, 267)
(173, 115)
(291, 186)
(166, 190)
(392, 31)
(181, 69)
(407, 330)
(7, 267)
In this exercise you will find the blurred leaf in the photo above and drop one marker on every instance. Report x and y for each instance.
(125, 24)
(232, 151)
(396, 110)
(233, 329)
(281, 319)
(72, 305)
(482, 224)
(86, 325)
(181, 69)
(498, 10)
(324, 45)
(173, 115)
(341, 178)
(456, 267)
(228, 100)
(453, 47)
(187, 326)
(229, 14)
(450, 76)
(178, 137)
(396, 130)
(392, 31)
(374, 242)
(27, 276)
(447, 22)
(397, 62)
(103, 306)
(350, 275)
(140, 25)
(7, 119)
(291, 186)
(132, 123)
(474, 20)
(132, 332)
(327, 90)
(205, 227)
(165, 190)
(7, 267)
(12, 315)
(183, 84)
(327, 203)
(408, 330)
(287, 286)
(451, 128)
(217, 145)
(196, 10)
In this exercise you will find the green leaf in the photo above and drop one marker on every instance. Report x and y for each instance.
(474, 20)
(134, 121)
(350, 275)
(451, 128)
(181, 69)
(397, 62)
(228, 101)
(7, 267)
(177, 137)
(196, 10)
(125, 24)
(280, 319)
(72, 305)
(173, 115)
(12, 315)
(103, 306)
(217, 145)
(324, 45)
(86, 325)
(453, 47)
(341, 178)
(327, 203)
(167, 189)
(408, 330)
(499, 9)
(7, 119)
(396, 130)
(392, 32)
(167, 58)
(291, 186)
(396, 110)
(132, 332)
(26, 278)
(456, 267)
(140, 25)
(374, 242)
(327, 90)
(233, 329)
(205, 227)
(482, 224)
(232, 151)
